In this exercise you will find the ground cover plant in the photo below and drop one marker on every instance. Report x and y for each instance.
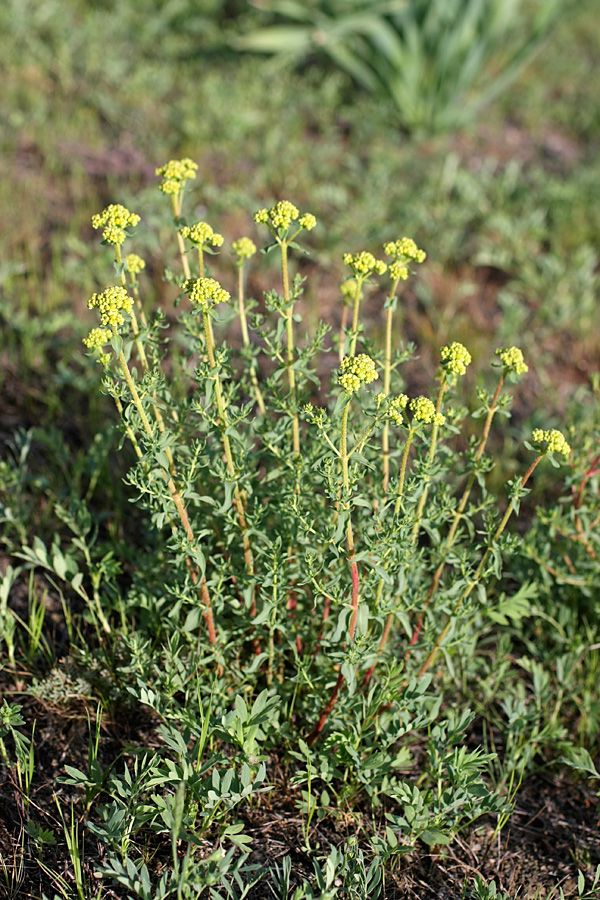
(97, 603)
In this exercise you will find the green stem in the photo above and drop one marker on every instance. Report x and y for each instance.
(387, 379)
(246, 339)
(177, 500)
(176, 204)
(478, 572)
(430, 456)
(355, 309)
(224, 422)
(289, 324)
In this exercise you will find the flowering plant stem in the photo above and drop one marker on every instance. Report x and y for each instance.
(178, 502)
(144, 361)
(289, 325)
(387, 376)
(355, 309)
(176, 205)
(246, 338)
(430, 456)
(459, 510)
(224, 422)
(477, 575)
(344, 457)
(390, 619)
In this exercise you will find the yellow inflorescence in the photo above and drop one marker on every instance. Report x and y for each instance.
(205, 292)
(175, 173)
(404, 249)
(398, 271)
(111, 304)
(356, 371)
(396, 408)
(512, 358)
(307, 221)
(96, 340)
(201, 233)
(281, 216)
(455, 358)
(423, 410)
(114, 220)
(363, 263)
(243, 248)
(134, 264)
(554, 439)
(348, 288)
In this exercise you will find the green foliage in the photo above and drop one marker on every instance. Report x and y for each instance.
(310, 549)
(432, 60)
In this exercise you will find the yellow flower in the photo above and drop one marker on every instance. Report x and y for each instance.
(363, 263)
(512, 358)
(307, 221)
(205, 292)
(553, 439)
(201, 234)
(115, 219)
(111, 304)
(455, 358)
(356, 371)
(397, 405)
(244, 248)
(404, 249)
(423, 410)
(134, 264)
(175, 173)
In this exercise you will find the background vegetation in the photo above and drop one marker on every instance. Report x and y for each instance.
(95, 96)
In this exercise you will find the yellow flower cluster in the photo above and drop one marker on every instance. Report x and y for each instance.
(96, 340)
(356, 371)
(175, 173)
(398, 271)
(205, 292)
(115, 219)
(396, 407)
(134, 264)
(404, 249)
(201, 233)
(423, 410)
(455, 358)
(243, 248)
(307, 221)
(363, 263)
(348, 288)
(281, 216)
(111, 304)
(512, 358)
(554, 439)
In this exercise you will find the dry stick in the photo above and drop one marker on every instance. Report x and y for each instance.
(223, 419)
(475, 580)
(355, 580)
(246, 338)
(459, 511)
(179, 505)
